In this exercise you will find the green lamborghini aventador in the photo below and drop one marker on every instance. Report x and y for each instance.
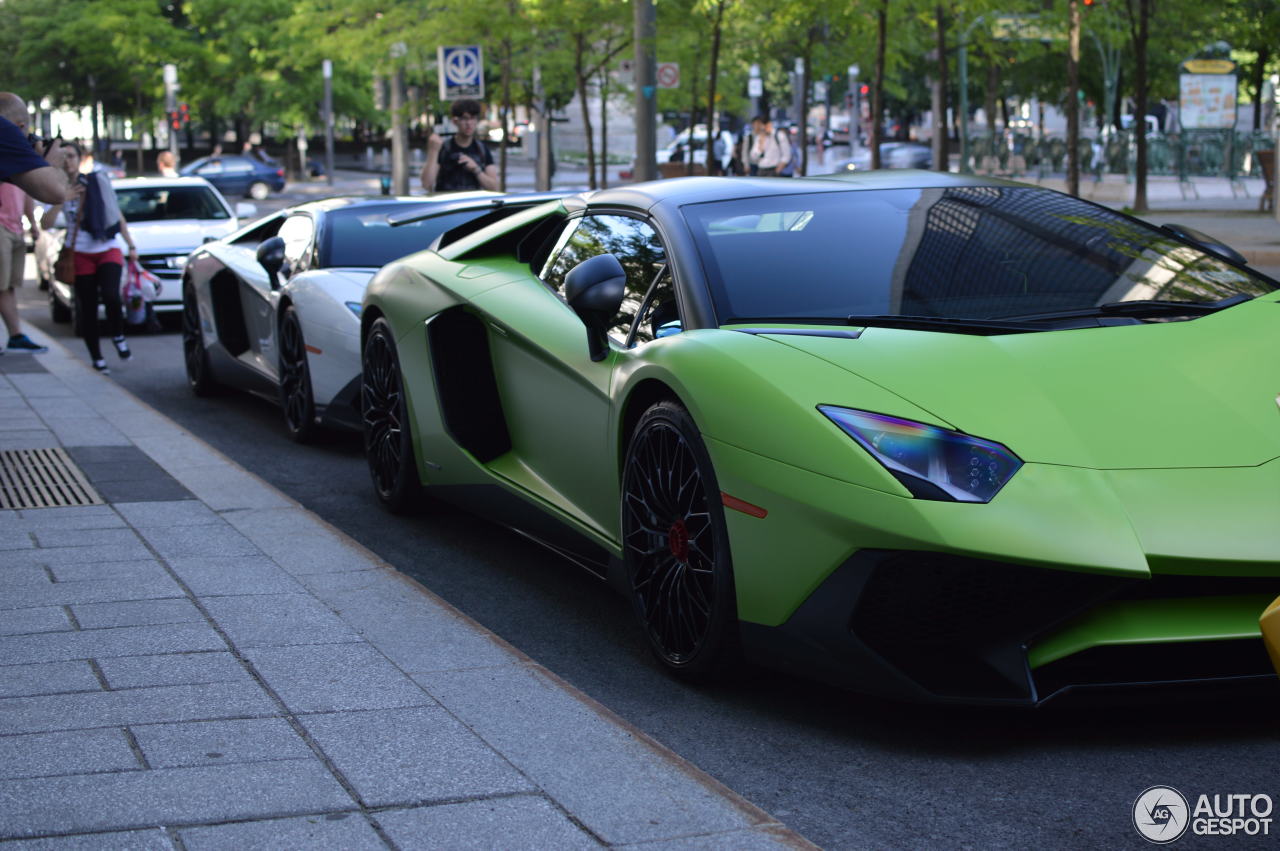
(927, 436)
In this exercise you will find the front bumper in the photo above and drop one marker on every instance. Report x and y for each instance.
(1070, 578)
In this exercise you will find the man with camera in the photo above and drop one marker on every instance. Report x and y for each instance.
(34, 165)
(23, 174)
(462, 162)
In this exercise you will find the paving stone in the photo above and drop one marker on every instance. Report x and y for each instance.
(522, 822)
(173, 669)
(168, 796)
(409, 756)
(299, 542)
(35, 387)
(53, 556)
(85, 431)
(148, 568)
(331, 677)
(141, 423)
(134, 706)
(105, 643)
(410, 625)
(70, 517)
(33, 439)
(175, 452)
(219, 742)
(175, 542)
(224, 488)
(85, 537)
(347, 831)
(21, 594)
(615, 783)
(264, 619)
(41, 619)
(215, 576)
(67, 752)
(133, 569)
(47, 678)
(16, 539)
(136, 613)
(154, 839)
(186, 512)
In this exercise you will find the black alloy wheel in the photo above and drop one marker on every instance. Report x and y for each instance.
(676, 547)
(199, 377)
(295, 380)
(388, 442)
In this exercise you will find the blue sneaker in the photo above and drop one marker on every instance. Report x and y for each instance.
(23, 343)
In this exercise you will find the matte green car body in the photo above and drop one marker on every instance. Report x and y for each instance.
(1148, 450)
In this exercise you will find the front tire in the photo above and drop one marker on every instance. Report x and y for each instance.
(388, 439)
(676, 546)
(295, 380)
(199, 376)
(259, 191)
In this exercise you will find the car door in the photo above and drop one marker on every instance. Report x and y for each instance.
(259, 301)
(555, 398)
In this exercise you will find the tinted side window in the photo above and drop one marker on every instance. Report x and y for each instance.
(632, 241)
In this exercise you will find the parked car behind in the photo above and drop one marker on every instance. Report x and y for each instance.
(234, 174)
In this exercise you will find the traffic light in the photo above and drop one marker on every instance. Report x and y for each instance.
(184, 113)
(864, 89)
(174, 121)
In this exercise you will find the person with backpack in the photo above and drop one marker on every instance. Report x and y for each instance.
(462, 162)
(770, 151)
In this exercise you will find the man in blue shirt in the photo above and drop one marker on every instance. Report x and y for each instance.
(41, 178)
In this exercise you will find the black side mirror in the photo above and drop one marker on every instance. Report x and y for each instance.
(1206, 242)
(594, 289)
(271, 257)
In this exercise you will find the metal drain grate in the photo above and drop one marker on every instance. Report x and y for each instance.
(42, 478)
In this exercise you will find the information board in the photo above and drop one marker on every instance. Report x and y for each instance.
(1207, 101)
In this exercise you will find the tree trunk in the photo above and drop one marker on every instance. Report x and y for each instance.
(877, 85)
(1256, 79)
(1140, 104)
(940, 162)
(806, 86)
(579, 57)
(713, 122)
(505, 111)
(989, 101)
(604, 127)
(693, 117)
(1073, 97)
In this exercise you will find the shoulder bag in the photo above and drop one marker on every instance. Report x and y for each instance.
(64, 268)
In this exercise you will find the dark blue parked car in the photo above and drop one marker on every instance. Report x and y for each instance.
(234, 174)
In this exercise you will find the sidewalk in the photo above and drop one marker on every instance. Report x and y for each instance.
(190, 659)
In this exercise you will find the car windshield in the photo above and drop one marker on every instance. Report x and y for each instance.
(971, 252)
(154, 204)
(361, 236)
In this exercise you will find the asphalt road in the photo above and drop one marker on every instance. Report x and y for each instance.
(845, 771)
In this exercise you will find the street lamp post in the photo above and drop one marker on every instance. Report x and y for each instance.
(646, 30)
(962, 67)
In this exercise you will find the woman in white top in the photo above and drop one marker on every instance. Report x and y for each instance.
(99, 261)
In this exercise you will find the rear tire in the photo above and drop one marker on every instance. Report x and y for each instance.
(676, 547)
(295, 380)
(199, 376)
(259, 191)
(388, 436)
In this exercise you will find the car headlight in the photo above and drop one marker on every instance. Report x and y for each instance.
(931, 462)
(355, 307)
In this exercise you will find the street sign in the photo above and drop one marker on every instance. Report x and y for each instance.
(755, 87)
(668, 75)
(627, 72)
(461, 71)
(1024, 28)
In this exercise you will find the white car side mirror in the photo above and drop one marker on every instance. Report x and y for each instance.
(245, 210)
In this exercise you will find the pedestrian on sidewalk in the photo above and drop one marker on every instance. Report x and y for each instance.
(32, 163)
(94, 222)
(14, 205)
(462, 162)
(770, 148)
(166, 164)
